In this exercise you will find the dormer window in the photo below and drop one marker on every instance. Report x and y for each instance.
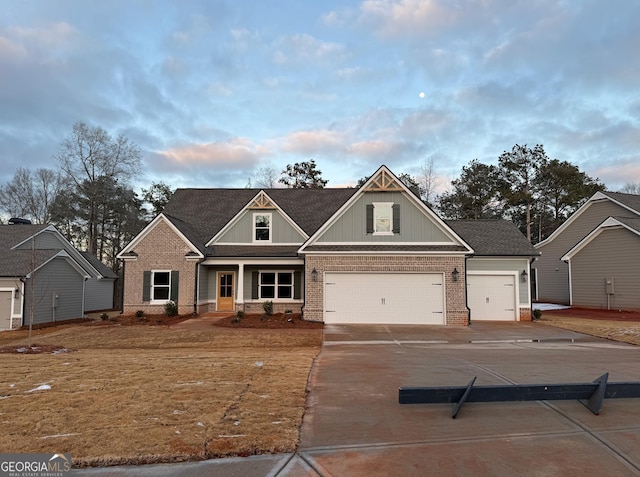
(262, 227)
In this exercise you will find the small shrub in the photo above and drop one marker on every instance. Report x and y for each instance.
(268, 308)
(239, 315)
(139, 314)
(288, 312)
(104, 316)
(171, 308)
(537, 314)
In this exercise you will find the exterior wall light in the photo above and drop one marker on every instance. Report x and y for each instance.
(314, 275)
(455, 274)
(523, 276)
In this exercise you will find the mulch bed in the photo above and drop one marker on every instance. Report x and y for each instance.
(275, 321)
(148, 320)
(596, 314)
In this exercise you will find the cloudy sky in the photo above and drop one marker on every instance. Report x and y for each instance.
(212, 90)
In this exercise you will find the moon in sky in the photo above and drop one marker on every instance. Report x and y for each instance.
(421, 94)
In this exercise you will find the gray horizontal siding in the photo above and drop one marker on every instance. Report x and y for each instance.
(553, 273)
(613, 254)
(98, 294)
(55, 277)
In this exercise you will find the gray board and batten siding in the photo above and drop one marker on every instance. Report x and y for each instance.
(242, 230)
(415, 226)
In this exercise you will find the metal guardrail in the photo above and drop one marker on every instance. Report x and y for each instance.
(592, 395)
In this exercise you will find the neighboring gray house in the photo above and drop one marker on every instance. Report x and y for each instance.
(376, 254)
(99, 291)
(43, 274)
(604, 267)
(596, 245)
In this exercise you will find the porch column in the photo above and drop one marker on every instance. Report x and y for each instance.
(240, 285)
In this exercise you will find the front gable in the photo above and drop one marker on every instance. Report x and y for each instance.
(128, 253)
(260, 222)
(385, 212)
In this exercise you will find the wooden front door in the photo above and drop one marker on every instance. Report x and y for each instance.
(226, 288)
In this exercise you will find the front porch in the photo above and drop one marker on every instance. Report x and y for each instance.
(228, 285)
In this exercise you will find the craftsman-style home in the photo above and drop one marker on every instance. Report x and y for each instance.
(376, 254)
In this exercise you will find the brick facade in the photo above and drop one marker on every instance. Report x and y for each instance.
(525, 314)
(160, 249)
(455, 302)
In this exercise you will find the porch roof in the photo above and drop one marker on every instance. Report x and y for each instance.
(243, 251)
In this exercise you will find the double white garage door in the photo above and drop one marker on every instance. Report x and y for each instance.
(390, 298)
(413, 298)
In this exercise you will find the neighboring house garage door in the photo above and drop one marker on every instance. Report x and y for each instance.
(5, 310)
(492, 297)
(392, 298)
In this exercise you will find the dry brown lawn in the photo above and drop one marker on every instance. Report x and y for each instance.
(141, 394)
(613, 325)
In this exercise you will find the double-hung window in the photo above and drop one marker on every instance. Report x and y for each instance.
(383, 218)
(262, 227)
(276, 285)
(160, 285)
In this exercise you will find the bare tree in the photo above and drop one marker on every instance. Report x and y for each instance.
(427, 180)
(264, 177)
(31, 194)
(90, 157)
(631, 188)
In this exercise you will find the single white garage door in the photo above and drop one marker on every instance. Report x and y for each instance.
(391, 298)
(492, 297)
(5, 310)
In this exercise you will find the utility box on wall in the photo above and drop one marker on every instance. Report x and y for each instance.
(608, 284)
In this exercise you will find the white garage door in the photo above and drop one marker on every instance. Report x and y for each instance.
(492, 297)
(5, 310)
(391, 298)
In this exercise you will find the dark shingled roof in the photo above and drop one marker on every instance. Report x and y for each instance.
(630, 200)
(18, 263)
(631, 222)
(201, 213)
(493, 237)
(98, 265)
(385, 248)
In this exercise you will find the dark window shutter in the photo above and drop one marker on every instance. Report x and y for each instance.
(146, 286)
(297, 285)
(174, 286)
(396, 218)
(369, 218)
(254, 285)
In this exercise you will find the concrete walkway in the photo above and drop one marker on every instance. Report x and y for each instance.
(354, 425)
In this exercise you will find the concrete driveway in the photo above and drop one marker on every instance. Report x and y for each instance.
(354, 425)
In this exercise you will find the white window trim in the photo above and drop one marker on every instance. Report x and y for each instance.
(381, 205)
(159, 302)
(275, 285)
(253, 227)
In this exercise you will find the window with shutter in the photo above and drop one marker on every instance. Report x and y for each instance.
(383, 218)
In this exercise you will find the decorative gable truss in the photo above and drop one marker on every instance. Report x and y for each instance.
(376, 214)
